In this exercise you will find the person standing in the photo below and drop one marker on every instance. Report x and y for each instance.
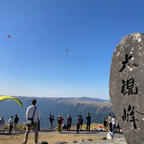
(2, 124)
(16, 120)
(33, 114)
(105, 124)
(10, 122)
(38, 125)
(50, 120)
(110, 121)
(81, 122)
(88, 119)
(69, 122)
(59, 123)
(77, 123)
(53, 121)
(114, 123)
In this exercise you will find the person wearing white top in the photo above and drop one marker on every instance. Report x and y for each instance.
(110, 121)
(2, 124)
(113, 123)
(10, 122)
(32, 113)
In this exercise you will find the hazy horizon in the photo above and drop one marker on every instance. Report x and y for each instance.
(59, 97)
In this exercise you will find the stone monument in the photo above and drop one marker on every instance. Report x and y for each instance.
(126, 87)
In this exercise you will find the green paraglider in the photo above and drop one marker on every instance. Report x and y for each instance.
(10, 97)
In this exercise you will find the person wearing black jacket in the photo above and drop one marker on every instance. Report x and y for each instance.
(69, 122)
(77, 123)
(88, 119)
(16, 120)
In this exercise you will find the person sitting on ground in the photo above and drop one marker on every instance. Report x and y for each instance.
(16, 120)
(110, 134)
(10, 122)
(64, 127)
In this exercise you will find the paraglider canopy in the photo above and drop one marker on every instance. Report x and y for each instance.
(10, 97)
(67, 52)
(9, 36)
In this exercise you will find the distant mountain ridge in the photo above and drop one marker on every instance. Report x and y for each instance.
(84, 99)
(68, 98)
(59, 106)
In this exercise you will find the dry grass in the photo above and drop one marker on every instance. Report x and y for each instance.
(50, 138)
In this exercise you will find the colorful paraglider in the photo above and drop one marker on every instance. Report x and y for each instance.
(9, 36)
(10, 97)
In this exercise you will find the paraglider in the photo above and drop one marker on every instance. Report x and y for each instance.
(67, 52)
(9, 36)
(10, 97)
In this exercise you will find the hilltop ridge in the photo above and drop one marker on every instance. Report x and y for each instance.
(97, 107)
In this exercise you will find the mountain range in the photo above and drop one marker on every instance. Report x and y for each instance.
(98, 108)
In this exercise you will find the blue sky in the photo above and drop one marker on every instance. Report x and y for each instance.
(33, 62)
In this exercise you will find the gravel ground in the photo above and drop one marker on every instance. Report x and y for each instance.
(114, 141)
(118, 139)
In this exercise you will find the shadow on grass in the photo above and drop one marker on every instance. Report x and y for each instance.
(19, 132)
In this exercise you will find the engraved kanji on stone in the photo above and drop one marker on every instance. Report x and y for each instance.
(127, 62)
(129, 116)
(128, 87)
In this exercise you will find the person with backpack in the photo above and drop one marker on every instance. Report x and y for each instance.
(32, 117)
(81, 122)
